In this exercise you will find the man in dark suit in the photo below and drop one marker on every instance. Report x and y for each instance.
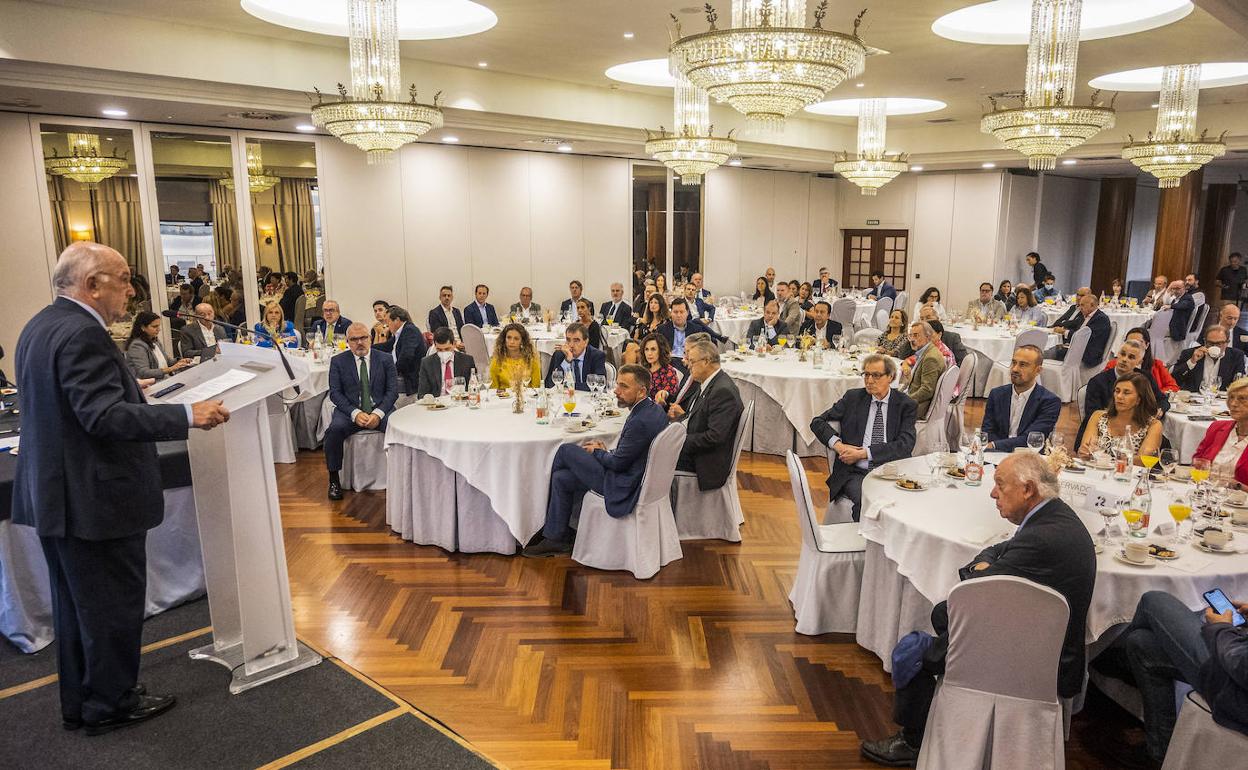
(1213, 359)
(332, 325)
(1100, 389)
(1023, 406)
(823, 286)
(481, 313)
(1071, 319)
(714, 408)
(290, 295)
(183, 303)
(617, 312)
(576, 358)
(200, 337)
(615, 474)
(1183, 307)
(568, 306)
(820, 325)
(679, 326)
(87, 480)
(1091, 316)
(697, 307)
(439, 369)
(1228, 319)
(876, 427)
(363, 386)
(769, 327)
(408, 348)
(880, 288)
(1051, 547)
(446, 314)
(174, 276)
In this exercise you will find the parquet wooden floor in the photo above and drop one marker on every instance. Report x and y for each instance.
(547, 664)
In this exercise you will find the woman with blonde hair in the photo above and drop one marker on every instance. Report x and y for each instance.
(514, 359)
(275, 327)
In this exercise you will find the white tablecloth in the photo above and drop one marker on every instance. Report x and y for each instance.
(735, 324)
(924, 537)
(1185, 434)
(997, 345)
(305, 409)
(1126, 319)
(545, 341)
(505, 456)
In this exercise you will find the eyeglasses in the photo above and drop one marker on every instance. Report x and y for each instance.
(874, 375)
(692, 361)
(357, 339)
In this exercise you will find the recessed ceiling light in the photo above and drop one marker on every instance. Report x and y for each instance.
(916, 168)
(417, 19)
(450, 139)
(647, 72)
(1069, 162)
(1212, 75)
(1008, 22)
(628, 36)
(305, 127)
(894, 105)
(114, 112)
(734, 162)
(988, 165)
(564, 147)
(483, 64)
(860, 85)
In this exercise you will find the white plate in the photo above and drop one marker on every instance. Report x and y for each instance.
(1199, 545)
(1118, 557)
(922, 486)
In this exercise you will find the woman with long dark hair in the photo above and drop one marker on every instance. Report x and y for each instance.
(514, 359)
(144, 355)
(762, 292)
(1131, 416)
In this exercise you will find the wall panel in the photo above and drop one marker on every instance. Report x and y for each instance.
(437, 225)
(26, 285)
(605, 226)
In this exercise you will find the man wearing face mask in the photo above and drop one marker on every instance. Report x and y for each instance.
(439, 370)
(1212, 360)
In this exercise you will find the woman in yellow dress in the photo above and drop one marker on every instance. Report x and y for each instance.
(514, 357)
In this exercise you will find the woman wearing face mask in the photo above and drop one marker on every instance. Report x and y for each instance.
(1130, 415)
(514, 359)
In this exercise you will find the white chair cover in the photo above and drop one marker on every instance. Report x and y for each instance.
(1064, 378)
(902, 301)
(1198, 326)
(999, 372)
(1165, 349)
(474, 345)
(885, 304)
(611, 371)
(931, 434)
(880, 319)
(364, 461)
(545, 363)
(281, 430)
(716, 513)
(1037, 337)
(829, 568)
(995, 707)
(839, 510)
(866, 336)
(969, 369)
(646, 539)
(843, 313)
(1198, 741)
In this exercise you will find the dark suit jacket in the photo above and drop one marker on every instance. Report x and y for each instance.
(1098, 322)
(818, 289)
(623, 314)
(626, 464)
(340, 326)
(437, 320)
(1054, 549)
(472, 315)
(1101, 391)
(1038, 273)
(1230, 367)
(756, 330)
(830, 329)
(431, 372)
(1070, 320)
(703, 309)
(1183, 308)
(88, 467)
(692, 326)
(1040, 413)
(344, 382)
(885, 289)
(595, 362)
(408, 355)
(711, 426)
(566, 306)
(852, 411)
(953, 341)
(196, 341)
(289, 297)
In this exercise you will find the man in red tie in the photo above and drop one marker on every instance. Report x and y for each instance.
(440, 368)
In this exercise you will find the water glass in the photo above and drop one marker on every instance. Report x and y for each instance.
(1035, 440)
(458, 386)
(557, 377)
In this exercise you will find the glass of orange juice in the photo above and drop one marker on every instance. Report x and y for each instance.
(1181, 510)
(1200, 470)
(569, 400)
(1134, 517)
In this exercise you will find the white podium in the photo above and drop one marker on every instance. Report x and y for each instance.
(240, 526)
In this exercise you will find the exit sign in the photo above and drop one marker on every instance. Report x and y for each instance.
(873, 221)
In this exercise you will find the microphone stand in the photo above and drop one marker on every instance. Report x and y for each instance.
(277, 343)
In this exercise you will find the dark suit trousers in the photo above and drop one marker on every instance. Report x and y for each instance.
(574, 473)
(912, 702)
(853, 490)
(99, 590)
(342, 427)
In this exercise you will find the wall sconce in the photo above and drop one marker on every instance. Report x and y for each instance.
(267, 234)
(81, 234)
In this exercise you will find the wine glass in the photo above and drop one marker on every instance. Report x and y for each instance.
(934, 462)
(1056, 439)
(1035, 440)
(458, 387)
(608, 381)
(557, 376)
(1169, 461)
(1180, 510)
(966, 441)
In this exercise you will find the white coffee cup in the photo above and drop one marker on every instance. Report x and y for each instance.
(1216, 538)
(1239, 515)
(1136, 552)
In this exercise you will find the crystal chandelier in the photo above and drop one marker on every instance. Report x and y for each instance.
(370, 116)
(1174, 150)
(85, 163)
(769, 64)
(258, 180)
(692, 149)
(873, 168)
(1049, 123)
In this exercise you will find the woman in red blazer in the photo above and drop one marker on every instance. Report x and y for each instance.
(1234, 430)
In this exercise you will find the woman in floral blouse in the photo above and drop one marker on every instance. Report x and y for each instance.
(657, 357)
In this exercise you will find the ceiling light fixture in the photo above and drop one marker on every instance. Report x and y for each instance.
(894, 105)
(768, 64)
(1004, 22)
(916, 168)
(874, 167)
(114, 112)
(305, 127)
(450, 139)
(1049, 123)
(628, 36)
(415, 19)
(988, 165)
(369, 116)
(860, 85)
(691, 149)
(258, 180)
(483, 64)
(564, 147)
(1069, 162)
(734, 162)
(1174, 150)
(84, 163)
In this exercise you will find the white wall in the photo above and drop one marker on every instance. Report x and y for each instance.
(25, 280)
(1068, 229)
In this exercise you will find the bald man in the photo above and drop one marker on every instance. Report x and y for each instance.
(201, 336)
(363, 386)
(88, 481)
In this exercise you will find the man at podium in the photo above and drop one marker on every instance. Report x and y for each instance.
(86, 481)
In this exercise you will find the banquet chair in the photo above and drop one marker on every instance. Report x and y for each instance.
(954, 423)
(646, 539)
(999, 372)
(364, 461)
(843, 313)
(866, 336)
(829, 567)
(611, 372)
(880, 319)
(1165, 349)
(716, 513)
(902, 301)
(1065, 377)
(474, 345)
(932, 433)
(545, 361)
(281, 430)
(1198, 741)
(301, 312)
(1197, 326)
(995, 707)
(885, 304)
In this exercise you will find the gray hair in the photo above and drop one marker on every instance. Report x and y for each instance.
(890, 366)
(703, 347)
(1031, 467)
(926, 327)
(77, 263)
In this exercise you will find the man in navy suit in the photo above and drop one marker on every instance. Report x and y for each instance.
(439, 370)
(1183, 307)
(820, 326)
(576, 358)
(568, 306)
(364, 386)
(1091, 316)
(824, 285)
(876, 427)
(88, 481)
(617, 312)
(697, 307)
(446, 314)
(1197, 366)
(408, 348)
(679, 326)
(1021, 407)
(1100, 389)
(880, 288)
(481, 313)
(332, 324)
(615, 474)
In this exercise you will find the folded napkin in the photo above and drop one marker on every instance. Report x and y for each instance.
(1191, 562)
(984, 534)
(873, 510)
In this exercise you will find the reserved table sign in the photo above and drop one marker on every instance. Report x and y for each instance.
(1087, 496)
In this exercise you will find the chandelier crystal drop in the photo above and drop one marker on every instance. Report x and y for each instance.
(1175, 150)
(873, 168)
(85, 163)
(1049, 123)
(692, 149)
(258, 180)
(769, 64)
(370, 116)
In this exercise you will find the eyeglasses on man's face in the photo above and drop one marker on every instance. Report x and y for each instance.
(873, 375)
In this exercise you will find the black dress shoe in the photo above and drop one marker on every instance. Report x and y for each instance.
(892, 751)
(335, 490)
(149, 706)
(74, 722)
(547, 548)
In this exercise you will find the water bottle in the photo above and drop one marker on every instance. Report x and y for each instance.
(543, 407)
(975, 463)
(474, 390)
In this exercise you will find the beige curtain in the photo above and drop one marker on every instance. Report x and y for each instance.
(224, 226)
(296, 228)
(60, 212)
(118, 221)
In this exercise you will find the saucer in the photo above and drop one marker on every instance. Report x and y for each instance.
(1121, 559)
(1200, 545)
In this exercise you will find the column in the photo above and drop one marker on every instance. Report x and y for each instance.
(1215, 236)
(1177, 215)
(1113, 232)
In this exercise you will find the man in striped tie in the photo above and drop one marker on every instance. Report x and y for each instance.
(868, 426)
(363, 386)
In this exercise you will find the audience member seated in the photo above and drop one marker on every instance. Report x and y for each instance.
(576, 359)
(804, 297)
(1005, 295)
(703, 292)
(1116, 293)
(515, 359)
(788, 307)
(1025, 309)
(820, 326)
(407, 345)
(585, 317)
(437, 371)
(652, 317)
(445, 314)
(1130, 414)
(698, 308)
(893, 340)
(1051, 547)
(200, 337)
(656, 357)
(183, 303)
(174, 276)
(567, 308)
(930, 298)
(364, 387)
(481, 313)
(921, 377)
(950, 343)
(144, 355)
(986, 309)
(381, 325)
(617, 312)
(1132, 356)
(713, 409)
(881, 288)
(770, 327)
(1038, 271)
(332, 325)
(878, 417)
(762, 292)
(235, 310)
(1191, 284)
(1182, 306)
(1228, 319)
(312, 282)
(590, 467)
(1150, 366)
(1072, 317)
(825, 285)
(272, 287)
(1095, 320)
(1022, 407)
(1159, 295)
(1048, 289)
(526, 307)
(630, 352)
(195, 277)
(660, 286)
(1225, 440)
(770, 275)
(1213, 362)
(275, 327)
(292, 290)
(679, 326)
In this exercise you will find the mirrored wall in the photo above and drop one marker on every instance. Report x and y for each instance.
(666, 226)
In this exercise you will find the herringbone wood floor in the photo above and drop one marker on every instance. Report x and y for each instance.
(546, 664)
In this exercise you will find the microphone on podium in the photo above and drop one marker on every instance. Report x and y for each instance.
(277, 343)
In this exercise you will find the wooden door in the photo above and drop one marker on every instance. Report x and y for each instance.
(867, 251)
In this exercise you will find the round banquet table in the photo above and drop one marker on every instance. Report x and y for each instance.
(305, 408)
(475, 480)
(917, 541)
(787, 395)
(1126, 318)
(545, 341)
(997, 345)
(864, 312)
(734, 324)
(1185, 433)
